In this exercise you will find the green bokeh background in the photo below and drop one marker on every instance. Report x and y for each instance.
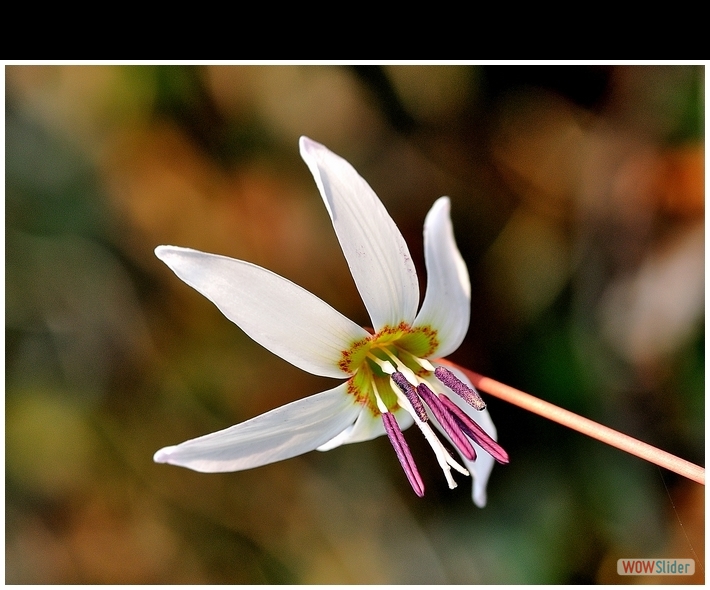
(578, 204)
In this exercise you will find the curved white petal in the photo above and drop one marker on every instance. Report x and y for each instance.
(278, 314)
(366, 427)
(481, 468)
(374, 248)
(447, 304)
(285, 432)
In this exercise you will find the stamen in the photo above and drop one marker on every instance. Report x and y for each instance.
(403, 453)
(405, 404)
(401, 367)
(378, 400)
(386, 366)
(468, 394)
(404, 380)
(409, 391)
(423, 363)
(448, 422)
(475, 432)
(442, 456)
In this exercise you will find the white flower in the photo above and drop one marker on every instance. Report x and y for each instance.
(387, 373)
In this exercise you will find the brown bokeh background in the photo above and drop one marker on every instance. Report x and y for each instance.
(578, 204)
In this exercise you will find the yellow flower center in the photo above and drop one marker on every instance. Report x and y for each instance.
(401, 347)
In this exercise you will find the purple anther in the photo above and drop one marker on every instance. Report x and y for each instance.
(469, 394)
(447, 421)
(475, 432)
(403, 453)
(408, 390)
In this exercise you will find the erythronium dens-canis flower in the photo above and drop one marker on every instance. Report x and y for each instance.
(392, 379)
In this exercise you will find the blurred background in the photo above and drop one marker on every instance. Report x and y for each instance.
(578, 204)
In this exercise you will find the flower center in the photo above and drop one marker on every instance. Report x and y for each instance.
(371, 360)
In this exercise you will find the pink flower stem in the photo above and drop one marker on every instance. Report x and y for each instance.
(584, 425)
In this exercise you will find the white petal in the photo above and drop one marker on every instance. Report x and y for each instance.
(279, 315)
(447, 304)
(366, 427)
(285, 432)
(481, 468)
(374, 248)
